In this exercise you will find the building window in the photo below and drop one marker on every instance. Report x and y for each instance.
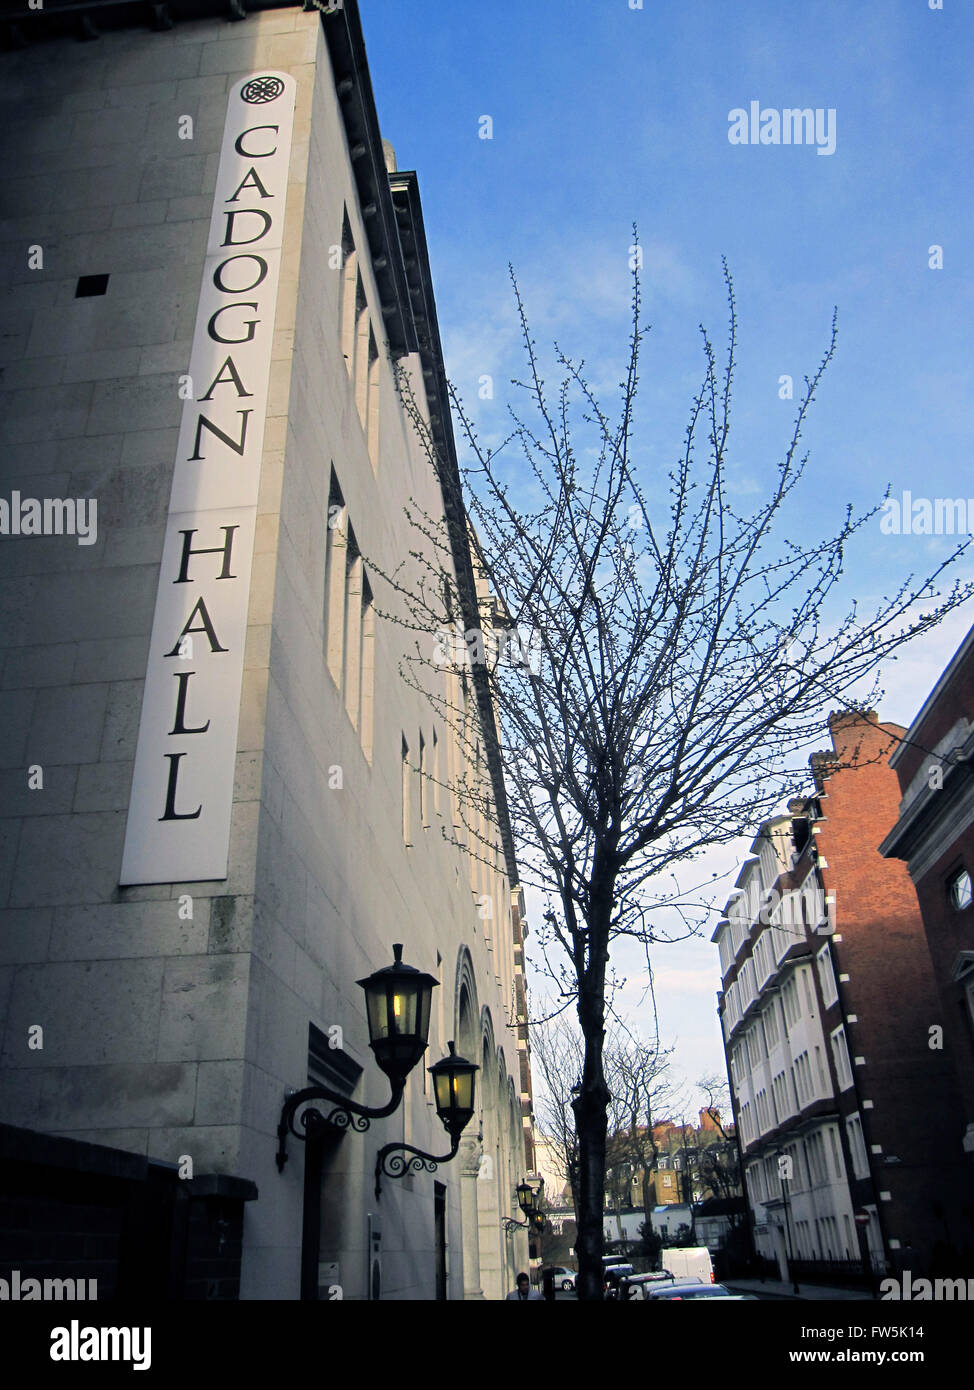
(350, 281)
(362, 359)
(771, 1034)
(436, 773)
(857, 1146)
(826, 975)
(406, 793)
(423, 784)
(840, 1051)
(367, 669)
(349, 619)
(334, 603)
(959, 890)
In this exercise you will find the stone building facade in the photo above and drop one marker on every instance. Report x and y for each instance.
(221, 802)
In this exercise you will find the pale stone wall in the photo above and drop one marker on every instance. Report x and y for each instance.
(163, 1034)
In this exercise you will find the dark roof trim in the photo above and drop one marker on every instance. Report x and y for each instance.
(87, 19)
(346, 47)
(412, 238)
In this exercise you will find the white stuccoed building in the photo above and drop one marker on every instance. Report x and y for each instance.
(222, 804)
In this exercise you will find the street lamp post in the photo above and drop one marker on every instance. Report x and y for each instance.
(785, 1162)
(397, 1000)
(529, 1200)
(453, 1091)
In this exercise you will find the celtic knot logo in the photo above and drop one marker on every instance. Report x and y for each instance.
(260, 90)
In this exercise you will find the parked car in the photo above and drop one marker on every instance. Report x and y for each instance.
(680, 1291)
(688, 1260)
(564, 1278)
(637, 1286)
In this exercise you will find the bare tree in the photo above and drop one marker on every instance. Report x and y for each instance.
(557, 1055)
(658, 663)
(720, 1162)
(637, 1077)
(639, 1082)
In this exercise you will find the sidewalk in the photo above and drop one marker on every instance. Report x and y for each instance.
(815, 1292)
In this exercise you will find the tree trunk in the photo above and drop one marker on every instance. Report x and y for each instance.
(590, 1110)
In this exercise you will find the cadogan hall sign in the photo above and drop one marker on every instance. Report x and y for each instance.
(178, 827)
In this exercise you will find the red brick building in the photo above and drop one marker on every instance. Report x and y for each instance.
(906, 1090)
(934, 835)
(848, 1119)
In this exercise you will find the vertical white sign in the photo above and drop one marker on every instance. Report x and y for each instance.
(178, 827)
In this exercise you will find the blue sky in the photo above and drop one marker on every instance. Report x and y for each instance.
(604, 115)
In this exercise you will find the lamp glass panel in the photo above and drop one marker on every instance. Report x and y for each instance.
(463, 1090)
(442, 1083)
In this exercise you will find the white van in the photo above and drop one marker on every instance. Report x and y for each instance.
(688, 1262)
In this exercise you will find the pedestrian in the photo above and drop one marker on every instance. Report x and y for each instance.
(523, 1292)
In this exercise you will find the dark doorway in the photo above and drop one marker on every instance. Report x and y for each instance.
(439, 1218)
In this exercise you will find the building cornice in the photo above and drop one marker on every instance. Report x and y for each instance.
(946, 676)
(412, 239)
(934, 816)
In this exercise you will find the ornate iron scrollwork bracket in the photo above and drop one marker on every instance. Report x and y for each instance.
(391, 1160)
(344, 1115)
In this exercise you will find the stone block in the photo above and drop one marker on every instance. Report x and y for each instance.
(92, 1012)
(20, 1094)
(25, 935)
(86, 605)
(26, 667)
(33, 371)
(231, 923)
(213, 1148)
(132, 1141)
(219, 1093)
(141, 214)
(179, 177)
(234, 56)
(26, 460)
(102, 787)
(155, 62)
(142, 402)
(67, 724)
(246, 783)
(111, 659)
(54, 798)
(67, 859)
(106, 364)
(91, 451)
(68, 330)
(130, 930)
(9, 836)
(194, 209)
(111, 126)
(143, 308)
(16, 712)
(204, 1003)
(272, 944)
(49, 412)
(122, 715)
(107, 186)
(130, 545)
(141, 96)
(117, 1095)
